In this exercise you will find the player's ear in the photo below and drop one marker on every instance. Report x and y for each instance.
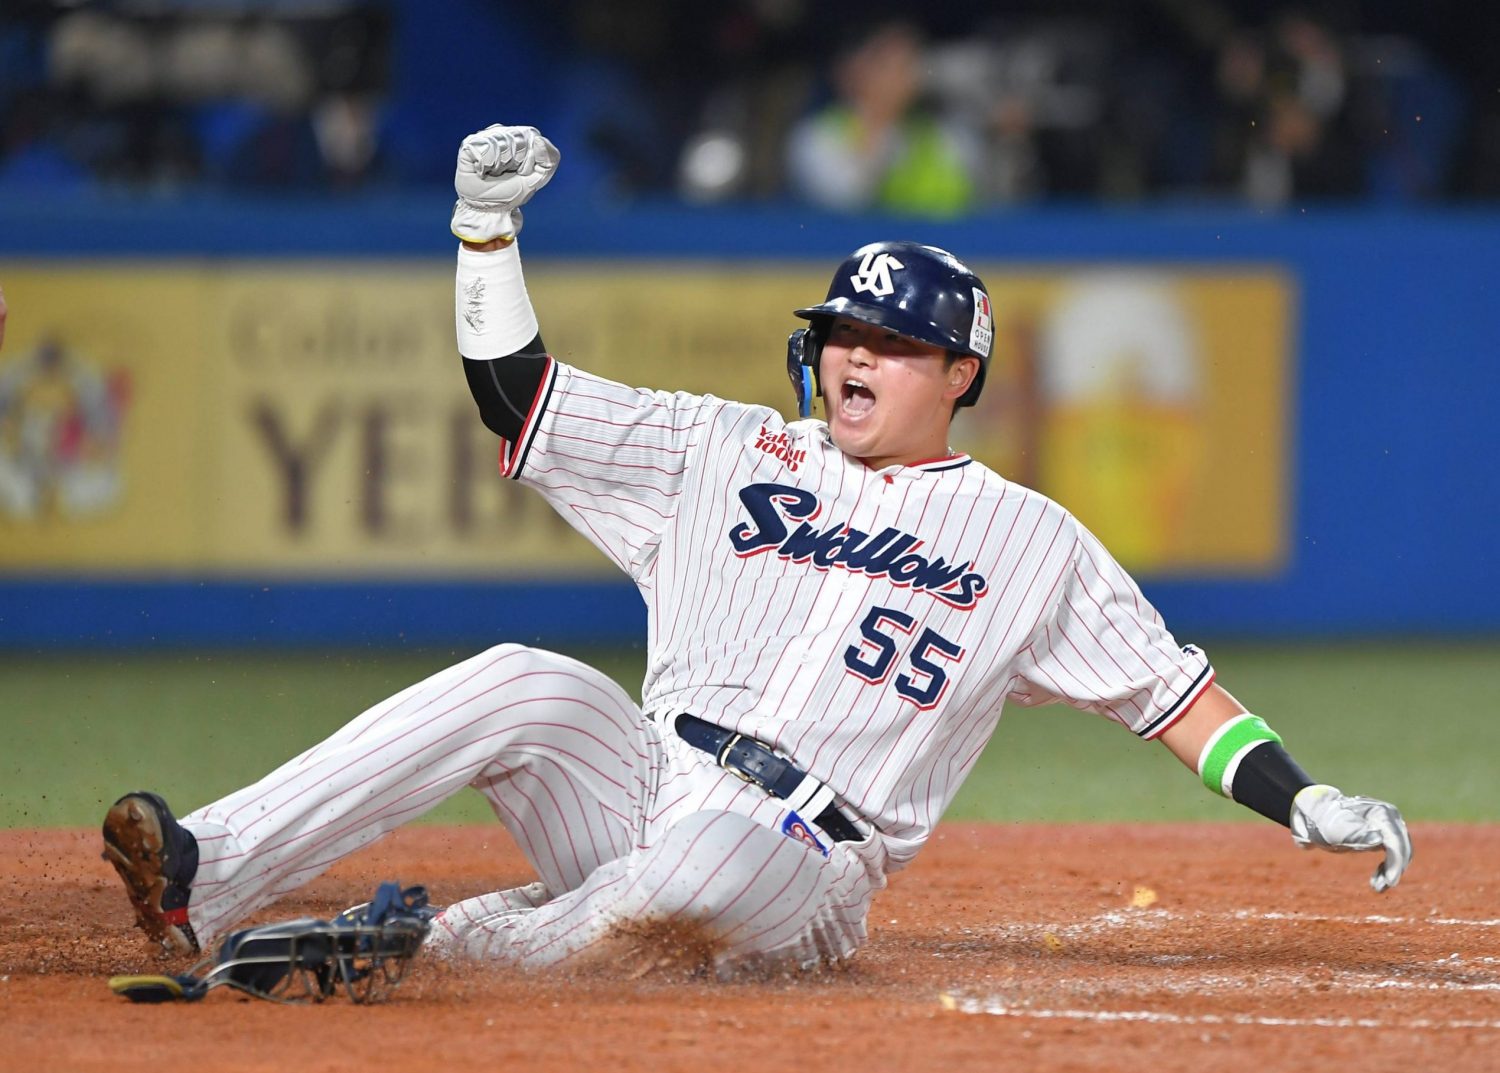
(961, 374)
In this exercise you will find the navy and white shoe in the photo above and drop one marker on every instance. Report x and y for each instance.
(157, 858)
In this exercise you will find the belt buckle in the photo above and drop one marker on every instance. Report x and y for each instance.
(723, 760)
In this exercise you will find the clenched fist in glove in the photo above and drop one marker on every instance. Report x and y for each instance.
(1324, 817)
(499, 169)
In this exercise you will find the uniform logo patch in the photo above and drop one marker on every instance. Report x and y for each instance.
(779, 446)
(874, 274)
(795, 827)
(982, 334)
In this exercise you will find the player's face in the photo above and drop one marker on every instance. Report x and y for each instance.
(889, 398)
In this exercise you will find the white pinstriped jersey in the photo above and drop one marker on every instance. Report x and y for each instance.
(869, 624)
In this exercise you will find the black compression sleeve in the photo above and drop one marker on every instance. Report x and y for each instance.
(505, 387)
(1267, 780)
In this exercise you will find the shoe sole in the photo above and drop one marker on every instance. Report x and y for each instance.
(133, 843)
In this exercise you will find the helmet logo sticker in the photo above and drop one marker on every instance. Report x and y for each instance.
(874, 274)
(982, 333)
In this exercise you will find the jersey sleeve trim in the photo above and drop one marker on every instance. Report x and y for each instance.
(1180, 707)
(513, 453)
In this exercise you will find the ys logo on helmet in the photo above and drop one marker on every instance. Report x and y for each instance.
(874, 275)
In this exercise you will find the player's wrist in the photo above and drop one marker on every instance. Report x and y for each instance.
(489, 246)
(493, 317)
(1245, 761)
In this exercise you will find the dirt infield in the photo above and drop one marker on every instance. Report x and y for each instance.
(1171, 947)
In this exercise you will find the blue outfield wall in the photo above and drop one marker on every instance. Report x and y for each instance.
(1394, 504)
(117, 613)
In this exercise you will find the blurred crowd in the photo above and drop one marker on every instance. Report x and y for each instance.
(169, 94)
(846, 106)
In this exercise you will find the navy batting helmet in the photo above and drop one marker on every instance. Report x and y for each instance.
(917, 291)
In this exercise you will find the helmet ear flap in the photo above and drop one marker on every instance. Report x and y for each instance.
(803, 349)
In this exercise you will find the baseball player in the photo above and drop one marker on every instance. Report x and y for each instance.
(839, 610)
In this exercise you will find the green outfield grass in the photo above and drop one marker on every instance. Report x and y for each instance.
(1411, 722)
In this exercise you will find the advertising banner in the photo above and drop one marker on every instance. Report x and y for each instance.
(299, 418)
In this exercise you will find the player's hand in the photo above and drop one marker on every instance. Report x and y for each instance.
(499, 169)
(1325, 818)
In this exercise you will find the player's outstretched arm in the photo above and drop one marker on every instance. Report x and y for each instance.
(1238, 755)
(499, 169)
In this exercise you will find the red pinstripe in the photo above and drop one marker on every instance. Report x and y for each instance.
(211, 922)
(635, 880)
(594, 853)
(1144, 613)
(619, 519)
(415, 729)
(578, 867)
(615, 445)
(804, 857)
(764, 568)
(871, 480)
(902, 714)
(401, 761)
(675, 582)
(1103, 682)
(667, 494)
(999, 556)
(377, 811)
(910, 607)
(1068, 600)
(710, 873)
(1107, 618)
(761, 467)
(519, 831)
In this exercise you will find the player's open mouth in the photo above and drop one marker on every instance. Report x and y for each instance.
(855, 399)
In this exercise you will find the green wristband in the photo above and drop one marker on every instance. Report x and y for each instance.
(1228, 746)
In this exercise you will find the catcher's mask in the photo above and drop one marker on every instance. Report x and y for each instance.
(921, 292)
(364, 952)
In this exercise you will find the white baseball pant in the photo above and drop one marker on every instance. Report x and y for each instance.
(623, 822)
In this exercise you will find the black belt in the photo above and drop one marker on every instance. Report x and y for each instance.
(757, 764)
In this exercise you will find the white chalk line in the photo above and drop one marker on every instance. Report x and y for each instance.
(1175, 979)
(1145, 919)
(1371, 918)
(997, 1008)
(1465, 973)
(1177, 982)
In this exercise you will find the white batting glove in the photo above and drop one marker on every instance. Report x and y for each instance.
(1323, 817)
(499, 169)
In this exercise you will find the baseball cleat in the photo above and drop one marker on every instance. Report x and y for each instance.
(157, 858)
